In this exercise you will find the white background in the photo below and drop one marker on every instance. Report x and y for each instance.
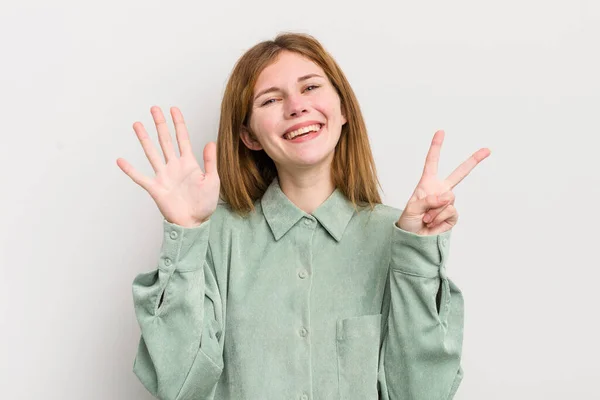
(521, 77)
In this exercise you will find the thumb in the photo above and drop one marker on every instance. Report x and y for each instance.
(210, 158)
(421, 206)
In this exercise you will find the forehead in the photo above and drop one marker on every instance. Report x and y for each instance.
(288, 66)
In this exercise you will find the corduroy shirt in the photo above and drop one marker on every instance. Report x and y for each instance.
(282, 304)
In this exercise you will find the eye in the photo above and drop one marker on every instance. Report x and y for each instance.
(267, 102)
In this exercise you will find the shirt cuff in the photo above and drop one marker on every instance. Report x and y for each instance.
(419, 254)
(183, 248)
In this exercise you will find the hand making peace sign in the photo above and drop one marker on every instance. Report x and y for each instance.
(430, 210)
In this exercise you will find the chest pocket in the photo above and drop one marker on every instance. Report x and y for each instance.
(358, 356)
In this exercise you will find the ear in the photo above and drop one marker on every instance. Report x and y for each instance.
(344, 120)
(249, 140)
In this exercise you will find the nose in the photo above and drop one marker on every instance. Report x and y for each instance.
(296, 105)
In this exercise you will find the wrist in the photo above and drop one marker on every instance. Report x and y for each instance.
(193, 223)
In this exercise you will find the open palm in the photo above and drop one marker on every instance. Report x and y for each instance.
(184, 194)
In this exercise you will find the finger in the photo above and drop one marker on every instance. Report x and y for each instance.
(448, 214)
(181, 132)
(164, 137)
(433, 155)
(138, 178)
(466, 167)
(210, 158)
(430, 215)
(431, 201)
(440, 228)
(149, 149)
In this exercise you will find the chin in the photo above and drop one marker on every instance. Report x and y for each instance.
(312, 159)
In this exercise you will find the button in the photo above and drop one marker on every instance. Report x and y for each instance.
(304, 397)
(167, 261)
(303, 274)
(173, 235)
(303, 332)
(307, 221)
(444, 242)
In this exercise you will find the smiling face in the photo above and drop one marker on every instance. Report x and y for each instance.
(293, 93)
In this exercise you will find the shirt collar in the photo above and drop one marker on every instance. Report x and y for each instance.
(281, 214)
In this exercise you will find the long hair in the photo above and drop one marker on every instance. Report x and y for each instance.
(246, 174)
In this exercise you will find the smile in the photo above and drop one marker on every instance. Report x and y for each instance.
(304, 137)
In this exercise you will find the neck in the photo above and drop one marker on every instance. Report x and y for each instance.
(307, 190)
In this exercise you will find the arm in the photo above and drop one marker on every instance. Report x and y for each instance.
(179, 310)
(422, 339)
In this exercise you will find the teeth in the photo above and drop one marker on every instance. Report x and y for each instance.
(293, 134)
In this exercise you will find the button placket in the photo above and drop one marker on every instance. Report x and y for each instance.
(443, 244)
(302, 267)
(443, 274)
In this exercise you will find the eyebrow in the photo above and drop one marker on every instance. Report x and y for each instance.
(275, 89)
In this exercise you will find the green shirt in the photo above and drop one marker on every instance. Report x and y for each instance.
(337, 304)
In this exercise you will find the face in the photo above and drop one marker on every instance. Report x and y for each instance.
(292, 93)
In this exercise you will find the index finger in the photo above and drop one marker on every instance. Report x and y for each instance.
(466, 167)
(433, 155)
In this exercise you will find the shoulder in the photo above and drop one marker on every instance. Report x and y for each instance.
(227, 227)
(223, 212)
(376, 224)
(225, 219)
(381, 214)
(224, 216)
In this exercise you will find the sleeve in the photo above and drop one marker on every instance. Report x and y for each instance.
(178, 307)
(423, 327)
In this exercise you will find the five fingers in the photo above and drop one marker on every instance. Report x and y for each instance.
(164, 137)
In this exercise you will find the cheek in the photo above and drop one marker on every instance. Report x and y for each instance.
(263, 124)
(332, 112)
(330, 106)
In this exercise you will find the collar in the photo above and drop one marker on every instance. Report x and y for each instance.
(281, 214)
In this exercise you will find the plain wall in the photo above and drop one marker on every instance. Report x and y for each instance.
(520, 77)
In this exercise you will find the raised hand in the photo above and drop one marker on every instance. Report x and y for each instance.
(184, 194)
(430, 209)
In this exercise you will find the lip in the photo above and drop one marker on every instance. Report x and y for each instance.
(308, 137)
(301, 125)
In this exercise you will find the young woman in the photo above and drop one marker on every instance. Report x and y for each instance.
(301, 284)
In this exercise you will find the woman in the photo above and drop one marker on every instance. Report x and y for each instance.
(301, 284)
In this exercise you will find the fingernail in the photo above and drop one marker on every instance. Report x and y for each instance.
(427, 218)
